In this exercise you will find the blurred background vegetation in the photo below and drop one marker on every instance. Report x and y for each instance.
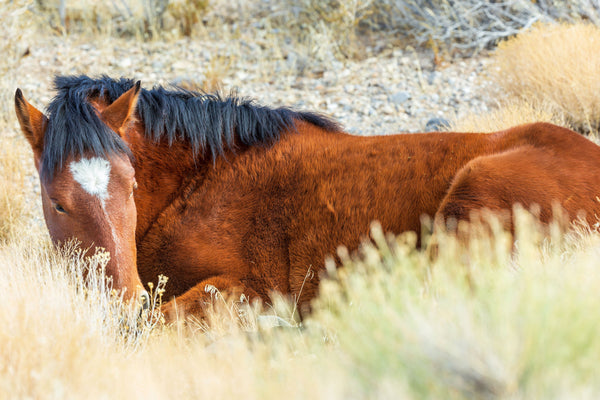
(307, 32)
(348, 28)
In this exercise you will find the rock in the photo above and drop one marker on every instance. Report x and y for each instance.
(157, 65)
(437, 124)
(400, 98)
(125, 62)
(433, 77)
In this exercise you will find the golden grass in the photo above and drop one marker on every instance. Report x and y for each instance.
(556, 65)
(15, 206)
(15, 163)
(513, 112)
(477, 322)
(54, 321)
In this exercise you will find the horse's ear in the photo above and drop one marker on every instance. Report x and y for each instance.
(120, 112)
(33, 123)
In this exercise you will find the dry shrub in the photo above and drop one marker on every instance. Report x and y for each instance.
(468, 26)
(555, 65)
(329, 26)
(323, 28)
(211, 81)
(348, 28)
(512, 113)
(143, 18)
(182, 15)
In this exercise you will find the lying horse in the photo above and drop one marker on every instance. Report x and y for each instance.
(220, 192)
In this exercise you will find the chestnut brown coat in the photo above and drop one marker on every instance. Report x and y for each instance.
(232, 200)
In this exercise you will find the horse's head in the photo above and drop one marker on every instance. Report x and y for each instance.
(85, 195)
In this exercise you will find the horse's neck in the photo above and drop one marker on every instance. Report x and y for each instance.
(163, 172)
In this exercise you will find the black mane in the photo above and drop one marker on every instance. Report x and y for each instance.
(209, 122)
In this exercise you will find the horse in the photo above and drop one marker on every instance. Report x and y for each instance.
(219, 192)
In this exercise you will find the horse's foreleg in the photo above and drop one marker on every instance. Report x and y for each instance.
(197, 300)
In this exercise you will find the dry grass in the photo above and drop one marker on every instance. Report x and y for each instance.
(556, 65)
(58, 327)
(478, 322)
(14, 155)
(15, 207)
(511, 113)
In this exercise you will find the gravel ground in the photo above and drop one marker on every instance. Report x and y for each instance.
(398, 91)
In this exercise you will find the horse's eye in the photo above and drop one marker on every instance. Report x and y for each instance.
(59, 209)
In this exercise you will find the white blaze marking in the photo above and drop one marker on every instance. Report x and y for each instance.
(93, 175)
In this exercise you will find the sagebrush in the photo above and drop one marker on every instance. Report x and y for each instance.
(556, 65)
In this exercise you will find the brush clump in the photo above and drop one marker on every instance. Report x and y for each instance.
(555, 65)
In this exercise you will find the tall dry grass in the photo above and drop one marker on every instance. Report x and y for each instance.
(479, 322)
(556, 65)
(482, 323)
(60, 323)
(15, 205)
(17, 25)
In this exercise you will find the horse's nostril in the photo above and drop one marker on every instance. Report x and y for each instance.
(145, 300)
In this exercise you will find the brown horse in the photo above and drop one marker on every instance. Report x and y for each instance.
(249, 199)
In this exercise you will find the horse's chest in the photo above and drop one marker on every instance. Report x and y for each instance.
(188, 242)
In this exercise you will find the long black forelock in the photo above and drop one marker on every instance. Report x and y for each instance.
(74, 128)
(210, 123)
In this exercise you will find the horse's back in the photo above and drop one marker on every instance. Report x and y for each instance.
(332, 186)
(548, 167)
(269, 215)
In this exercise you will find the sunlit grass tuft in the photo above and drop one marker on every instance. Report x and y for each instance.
(555, 65)
(479, 323)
